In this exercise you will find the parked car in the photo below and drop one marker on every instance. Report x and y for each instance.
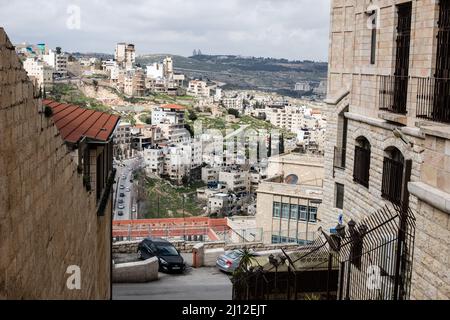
(128, 190)
(122, 187)
(229, 261)
(169, 257)
(122, 195)
(120, 213)
(121, 206)
(121, 201)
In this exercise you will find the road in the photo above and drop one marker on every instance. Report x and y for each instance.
(124, 176)
(196, 284)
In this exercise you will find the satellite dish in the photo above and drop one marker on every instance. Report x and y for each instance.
(291, 179)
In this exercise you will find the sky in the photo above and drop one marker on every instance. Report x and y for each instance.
(291, 29)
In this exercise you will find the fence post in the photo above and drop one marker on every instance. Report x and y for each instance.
(400, 262)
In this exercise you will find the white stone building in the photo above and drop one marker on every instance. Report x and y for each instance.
(40, 71)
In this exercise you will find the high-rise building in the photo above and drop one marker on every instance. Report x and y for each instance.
(125, 55)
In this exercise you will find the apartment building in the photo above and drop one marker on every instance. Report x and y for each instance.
(388, 118)
(154, 160)
(39, 71)
(57, 60)
(233, 103)
(210, 175)
(236, 181)
(123, 141)
(170, 118)
(125, 55)
(198, 88)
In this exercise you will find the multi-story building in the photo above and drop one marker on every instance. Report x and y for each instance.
(210, 174)
(154, 160)
(171, 119)
(125, 55)
(123, 141)
(288, 201)
(40, 71)
(199, 88)
(57, 60)
(388, 118)
(233, 103)
(236, 181)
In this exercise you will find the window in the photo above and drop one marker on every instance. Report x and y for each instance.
(373, 42)
(361, 170)
(285, 211)
(393, 168)
(340, 150)
(294, 212)
(277, 209)
(302, 213)
(312, 214)
(339, 196)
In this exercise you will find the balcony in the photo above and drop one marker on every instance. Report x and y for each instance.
(428, 97)
(433, 99)
(393, 97)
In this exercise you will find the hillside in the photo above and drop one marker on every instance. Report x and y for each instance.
(246, 72)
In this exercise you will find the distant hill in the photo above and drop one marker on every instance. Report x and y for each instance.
(246, 72)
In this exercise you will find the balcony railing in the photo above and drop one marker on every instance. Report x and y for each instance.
(433, 99)
(339, 157)
(392, 180)
(393, 94)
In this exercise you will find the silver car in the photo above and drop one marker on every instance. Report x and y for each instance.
(229, 261)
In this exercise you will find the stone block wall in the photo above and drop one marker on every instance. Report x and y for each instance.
(48, 220)
(353, 83)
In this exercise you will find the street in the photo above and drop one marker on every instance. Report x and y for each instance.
(196, 284)
(125, 187)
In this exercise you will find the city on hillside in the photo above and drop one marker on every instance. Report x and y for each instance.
(132, 174)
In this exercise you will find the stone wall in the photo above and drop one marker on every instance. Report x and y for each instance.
(187, 247)
(48, 220)
(354, 84)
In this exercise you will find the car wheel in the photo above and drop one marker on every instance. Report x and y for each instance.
(139, 252)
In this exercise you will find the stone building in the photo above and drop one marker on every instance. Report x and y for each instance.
(388, 124)
(55, 208)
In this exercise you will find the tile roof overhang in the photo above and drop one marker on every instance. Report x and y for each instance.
(75, 123)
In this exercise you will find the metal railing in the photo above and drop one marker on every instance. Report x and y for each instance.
(393, 93)
(433, 99)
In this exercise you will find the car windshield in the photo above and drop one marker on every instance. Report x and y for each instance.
(167, 250)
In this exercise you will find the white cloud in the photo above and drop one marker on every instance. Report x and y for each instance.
(295, 29)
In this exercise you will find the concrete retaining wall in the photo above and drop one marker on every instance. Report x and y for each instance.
(136, 272)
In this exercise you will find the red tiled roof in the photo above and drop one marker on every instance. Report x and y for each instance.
(74, 122)
(173, 106)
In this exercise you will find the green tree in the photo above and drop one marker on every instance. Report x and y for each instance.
(234, 112)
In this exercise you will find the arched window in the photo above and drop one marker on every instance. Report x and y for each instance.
(393, 167)
(361, 170)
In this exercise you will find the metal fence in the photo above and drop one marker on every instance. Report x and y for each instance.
(369, 260)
